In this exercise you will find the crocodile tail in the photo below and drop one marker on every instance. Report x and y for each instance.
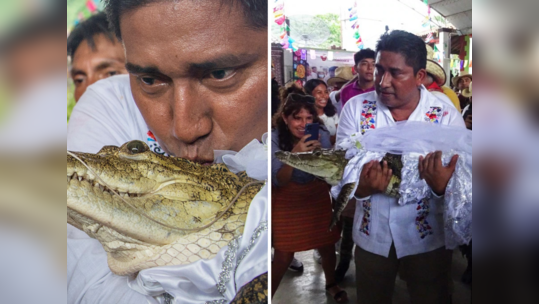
(340, 204)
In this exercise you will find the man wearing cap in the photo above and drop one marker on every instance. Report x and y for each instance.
(435, 80)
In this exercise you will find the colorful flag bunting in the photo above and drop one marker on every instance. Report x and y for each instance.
(91, 6)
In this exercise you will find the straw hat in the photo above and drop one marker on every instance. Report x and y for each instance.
(342, 74)
(458, 78)
(434, 68)
(467, 92)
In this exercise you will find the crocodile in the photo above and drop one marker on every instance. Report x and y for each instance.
(329, 164)
(149, 210)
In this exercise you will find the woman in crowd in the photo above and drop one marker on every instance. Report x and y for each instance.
(301, 205)
(324, 108)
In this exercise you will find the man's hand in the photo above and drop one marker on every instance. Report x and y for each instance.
(374, 178)
(435, 174)
(306, 146)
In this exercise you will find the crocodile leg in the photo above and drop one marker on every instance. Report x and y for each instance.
(342, 201)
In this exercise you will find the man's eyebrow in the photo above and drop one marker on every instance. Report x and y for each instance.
(75, 72)
(103, 65)
(137, 69)
(392, 69)
(225, 61)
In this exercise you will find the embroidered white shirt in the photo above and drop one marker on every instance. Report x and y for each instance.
(107, 115)
(379, 220)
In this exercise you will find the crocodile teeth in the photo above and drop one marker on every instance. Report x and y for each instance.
(80, 178)
(101, 188)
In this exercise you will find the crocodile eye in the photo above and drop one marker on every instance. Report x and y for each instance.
(136, 146)
(317, 152)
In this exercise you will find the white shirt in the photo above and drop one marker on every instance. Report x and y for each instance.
(336, 103)
(379, 220)
(330, 123)
(442, 97)
(107, 115)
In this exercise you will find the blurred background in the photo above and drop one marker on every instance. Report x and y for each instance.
(32, 140)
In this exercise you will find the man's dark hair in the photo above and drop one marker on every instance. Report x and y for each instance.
(254, 11)
(365, 53)
(87, 30)
(332, 69)
(410, 46)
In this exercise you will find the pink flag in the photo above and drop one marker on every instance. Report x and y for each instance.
(91, 6)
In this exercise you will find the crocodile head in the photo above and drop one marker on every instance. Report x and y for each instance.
(167, 211)
(324, 163)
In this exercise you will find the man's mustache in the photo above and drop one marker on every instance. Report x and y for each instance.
(386, 91)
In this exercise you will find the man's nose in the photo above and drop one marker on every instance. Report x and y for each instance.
(191, 120)
(385, 82)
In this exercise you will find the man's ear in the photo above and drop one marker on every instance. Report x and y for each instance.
(420, 77)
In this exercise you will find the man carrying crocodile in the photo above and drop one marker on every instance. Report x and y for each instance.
(392, 238)
(196, 89)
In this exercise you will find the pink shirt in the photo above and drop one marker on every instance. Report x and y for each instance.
(351, 91)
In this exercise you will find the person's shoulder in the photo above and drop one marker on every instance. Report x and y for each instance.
(362, 98)
(115, 87)
(274, 135)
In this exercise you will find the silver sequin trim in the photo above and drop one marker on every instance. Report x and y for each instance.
(458, 203)
(228, 265)
(230, 257)
(263, 226)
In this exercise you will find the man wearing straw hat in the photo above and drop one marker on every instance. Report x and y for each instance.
(435, 80)
(460, 83)
(342, 76)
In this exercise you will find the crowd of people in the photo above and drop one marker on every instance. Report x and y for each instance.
(399, 81)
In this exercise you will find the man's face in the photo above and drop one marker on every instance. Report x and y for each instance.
(331, 73)
(395, 81)
(464, 83)
(314, 70)
(89, 66)
(338, 85)
(365, 69)
(199, 85)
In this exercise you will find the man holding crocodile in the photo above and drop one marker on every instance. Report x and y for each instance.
(388, 236)
(196, 89)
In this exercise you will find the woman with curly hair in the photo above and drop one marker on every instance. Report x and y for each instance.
(301, 204)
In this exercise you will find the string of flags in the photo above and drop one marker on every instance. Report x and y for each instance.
(89, 8)
(427, 21)
(460, 64)
(287, 42)
(355, 26)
